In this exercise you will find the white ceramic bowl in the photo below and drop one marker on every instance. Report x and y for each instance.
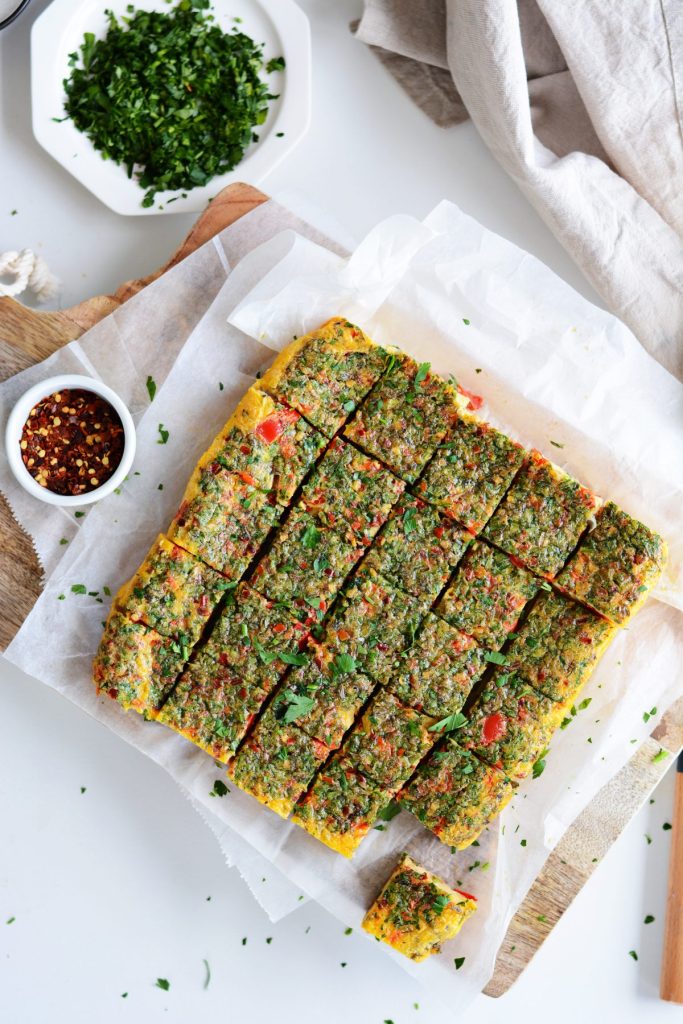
(280, 24)
(19, 415)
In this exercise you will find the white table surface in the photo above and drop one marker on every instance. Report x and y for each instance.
(109, 888)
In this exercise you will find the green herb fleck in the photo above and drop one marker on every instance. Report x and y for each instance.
(298, 705)
(276, 64)
(557, 444)
(219, 788)
(661, 755)
(151, 388)
(10, 920)
(163, 434)
(459, 960)
(63, 541)
(667, 826)
(79, 588)
(163, 983)
(79, 515)
(449, 723)
(632, 953)
(207, 979)
(422, 371)
(347, 931)
(648, 919)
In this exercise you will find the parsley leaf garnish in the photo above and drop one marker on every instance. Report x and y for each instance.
(219, 788)
(298, 705)
(163, 983)
(151, 388)
(449, 723)
(163, 434)
(422, 371)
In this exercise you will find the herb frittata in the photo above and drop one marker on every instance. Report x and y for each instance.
(351, 492)
(135, 665)
(558, 646)
(418, 548)
(306, 564)
(405, 417)
(326, 374)
(276, 762)
(373, 624)
(172, 592)
(616, 564)
(325, 694)
(388, 740)
(510, 724)
(223, 520)
(341, 806)
(416, 911)
(456, 795)
(266, 444)
(256, 637)
(487, 595)
(471, 472)
(303, 604)
(436, 674)
(212, 706)
(542, 516)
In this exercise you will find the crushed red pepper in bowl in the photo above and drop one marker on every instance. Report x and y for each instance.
(72, 441)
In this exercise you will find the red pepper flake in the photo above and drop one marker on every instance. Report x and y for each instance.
(72, 441)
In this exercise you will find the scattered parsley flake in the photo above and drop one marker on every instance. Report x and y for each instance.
(83, 789)
(79, 515)
(151, 388)
(79, 588)
(269, 940)
(450, 723)
(666, 826)
(219, 789)
(10, 920)
(661, 755)
(542, 918)
(522, 842)
(458, 961)
(221, 386)
(208, 973)
(244, 941)
(163, 983)
(298, 705)
(539, 764)
(648, 919)
(163, 434)
(347, 931)
(647, 715)
(390, 811)
(557, 444)
(632, 953)
(466, 322)
(61, 597)
(275, 64)
(648, 839)
(343, 963)
(124, 995)
(495, 657)
(422, 371)
(63, 541)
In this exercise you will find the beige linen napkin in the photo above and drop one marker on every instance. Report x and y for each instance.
(581, 102)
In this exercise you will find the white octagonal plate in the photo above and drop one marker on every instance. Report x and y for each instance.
(280, 24)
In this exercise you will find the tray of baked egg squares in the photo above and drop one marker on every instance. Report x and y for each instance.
(368, 594)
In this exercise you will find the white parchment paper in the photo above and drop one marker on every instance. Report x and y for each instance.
(552, 368)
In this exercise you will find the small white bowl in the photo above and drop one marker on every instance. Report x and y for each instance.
(19, 415)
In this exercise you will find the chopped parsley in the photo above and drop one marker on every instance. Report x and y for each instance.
(79, 588)
(207, 979)
(661, 755)
(459, 960)
(647, 715)
(168, 95)
(10, 920)
(163, 434)
(163, 983)
(632, 953)
(151, 388)
(648, 919)
(219, 788)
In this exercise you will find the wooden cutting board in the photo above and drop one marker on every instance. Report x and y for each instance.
(26, 337)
